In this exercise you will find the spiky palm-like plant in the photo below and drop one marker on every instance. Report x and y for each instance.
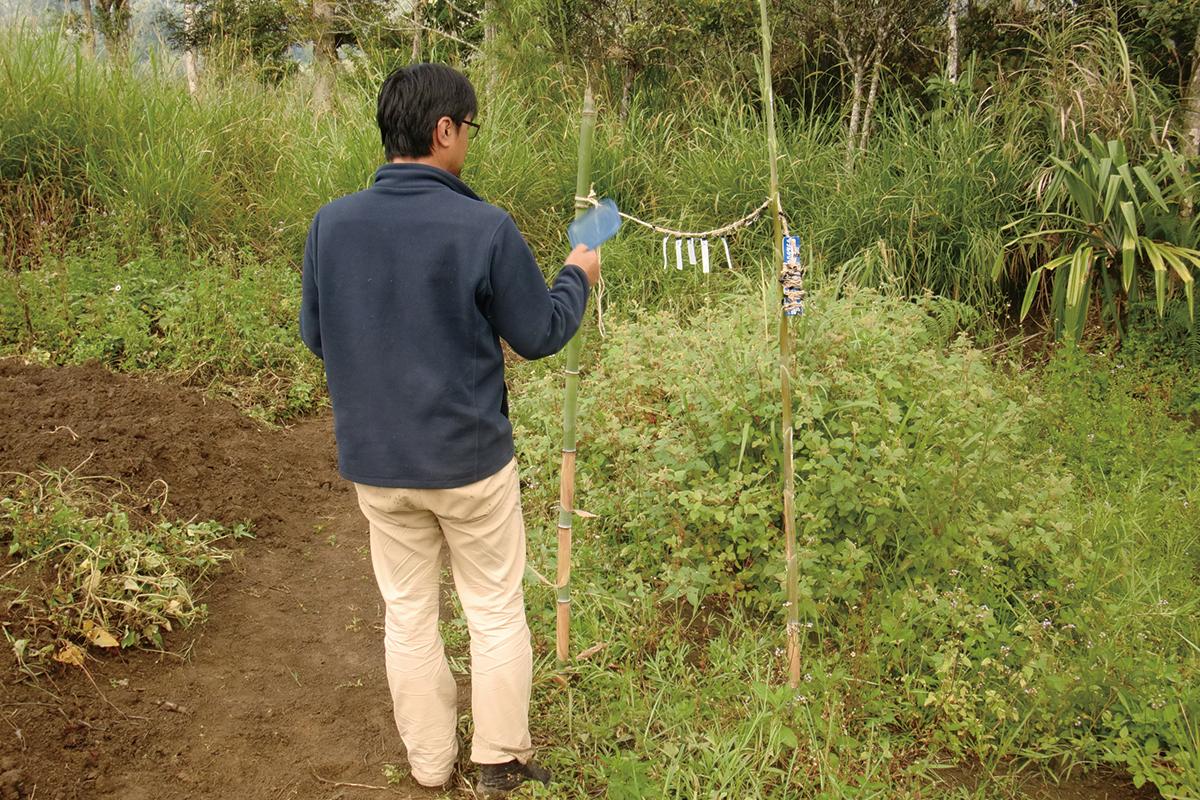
(1097, 206)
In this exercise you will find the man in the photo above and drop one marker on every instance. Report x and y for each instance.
(408, 288)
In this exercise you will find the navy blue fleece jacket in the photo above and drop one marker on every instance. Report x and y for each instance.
(408, 287)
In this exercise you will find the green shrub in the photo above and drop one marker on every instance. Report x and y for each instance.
(957, 583)
(910, 459)
(223, 321)
(1111, 419)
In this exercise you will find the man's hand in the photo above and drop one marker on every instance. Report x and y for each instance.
(587, 260)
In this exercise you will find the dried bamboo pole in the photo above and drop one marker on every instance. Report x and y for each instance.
(785, 381)
(566, 499)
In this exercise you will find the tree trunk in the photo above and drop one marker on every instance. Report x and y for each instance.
(952, 55)
(115, 27)
(324, 56)
(858, 69)
(189, 54)
(631, 71)
(491, 59)
(1191, 105)
(876, 69)
(1190, 144)
(89, 29)
(416, 21)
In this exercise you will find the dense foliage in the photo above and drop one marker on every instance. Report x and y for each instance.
(994, 563)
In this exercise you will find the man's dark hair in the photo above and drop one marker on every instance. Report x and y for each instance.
(411, 101)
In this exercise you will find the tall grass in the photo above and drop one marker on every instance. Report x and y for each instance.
(925, 207)
(245, 165)
(239, 163)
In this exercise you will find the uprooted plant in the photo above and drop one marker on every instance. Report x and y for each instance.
(89, 567)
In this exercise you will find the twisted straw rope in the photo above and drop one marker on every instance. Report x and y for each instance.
(590, 200)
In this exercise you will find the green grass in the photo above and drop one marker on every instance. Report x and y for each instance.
(221, 320)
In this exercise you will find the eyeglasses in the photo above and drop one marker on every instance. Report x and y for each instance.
(475, 128)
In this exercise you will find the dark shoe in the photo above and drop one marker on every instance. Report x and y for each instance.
(500, 779)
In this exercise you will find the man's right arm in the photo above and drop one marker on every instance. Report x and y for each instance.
(310, 315)
(587, 260)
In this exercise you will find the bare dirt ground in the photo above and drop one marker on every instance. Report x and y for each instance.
(281, 693)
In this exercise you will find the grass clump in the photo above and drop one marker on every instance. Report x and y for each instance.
(90, 567)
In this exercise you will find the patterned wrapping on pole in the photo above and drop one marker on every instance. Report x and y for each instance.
(792, 277)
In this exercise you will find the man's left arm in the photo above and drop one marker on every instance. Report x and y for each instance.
(535, 321)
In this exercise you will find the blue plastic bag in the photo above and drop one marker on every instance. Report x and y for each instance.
(596, 226)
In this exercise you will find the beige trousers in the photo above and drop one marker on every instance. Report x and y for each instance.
(482, 525)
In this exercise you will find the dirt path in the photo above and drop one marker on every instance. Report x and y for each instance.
(281, 694)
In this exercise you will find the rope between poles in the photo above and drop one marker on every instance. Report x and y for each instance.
(590, 200)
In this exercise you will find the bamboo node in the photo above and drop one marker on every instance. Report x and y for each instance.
(590, 200)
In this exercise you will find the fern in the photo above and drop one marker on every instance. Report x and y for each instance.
(944, 318)
(1191, 347)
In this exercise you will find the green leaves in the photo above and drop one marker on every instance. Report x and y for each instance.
(1101, 203)
(907, 453)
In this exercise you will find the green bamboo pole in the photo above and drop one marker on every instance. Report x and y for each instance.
(566, 498)
(785, 380)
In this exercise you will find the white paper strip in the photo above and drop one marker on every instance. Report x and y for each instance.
(665, 251)
(704, 253)
(679, 254)
(728, 260)
(692, 251)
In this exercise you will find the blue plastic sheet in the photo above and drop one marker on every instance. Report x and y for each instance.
(596, 226)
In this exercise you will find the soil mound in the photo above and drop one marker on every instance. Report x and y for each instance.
(210, 460)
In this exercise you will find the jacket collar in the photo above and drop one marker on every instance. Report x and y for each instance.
(419, 176)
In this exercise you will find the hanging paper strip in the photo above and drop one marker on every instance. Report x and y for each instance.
(792, 277)
(703, 259)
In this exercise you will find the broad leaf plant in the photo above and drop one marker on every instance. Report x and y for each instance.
(1101, 204)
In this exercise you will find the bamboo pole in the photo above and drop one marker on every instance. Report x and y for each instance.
(566, 498)
(785, 381)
